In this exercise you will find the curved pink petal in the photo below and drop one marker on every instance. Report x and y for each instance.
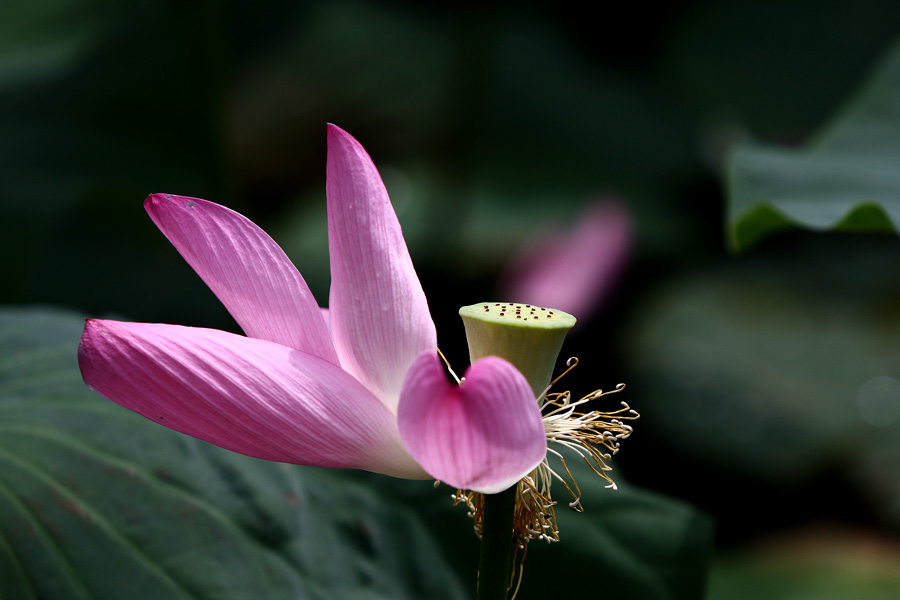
(576, 270)
(484, 434)
(246, 270)
(379, 316)
(244, 394)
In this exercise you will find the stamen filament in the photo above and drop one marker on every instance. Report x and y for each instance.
(447, 364)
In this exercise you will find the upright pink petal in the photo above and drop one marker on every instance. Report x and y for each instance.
(576, 270)
(246, 270)
(247, 395)
(327, 318)
(484, 434)
(379, 316)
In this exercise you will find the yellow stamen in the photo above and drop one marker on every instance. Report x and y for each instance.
(447, 364)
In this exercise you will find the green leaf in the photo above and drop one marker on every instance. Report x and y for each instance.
(825, 564)
(738, 63)
(847, 180)
(629, 542)
(780, 366)
(96, 502)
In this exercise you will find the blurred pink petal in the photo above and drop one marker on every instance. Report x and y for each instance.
(576, 270)
(483, 434)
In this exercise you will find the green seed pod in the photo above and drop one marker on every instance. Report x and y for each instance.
(530, 337)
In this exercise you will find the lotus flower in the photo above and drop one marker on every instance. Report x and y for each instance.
(360, 386)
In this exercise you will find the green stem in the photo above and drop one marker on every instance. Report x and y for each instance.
(497, 545)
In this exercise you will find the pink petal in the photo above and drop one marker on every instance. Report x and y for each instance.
(574, 271)
(327, 318)
(484, 434)
(379, 316)
(244, 394)
(246, 270)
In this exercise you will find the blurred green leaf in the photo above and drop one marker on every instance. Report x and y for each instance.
(98, 502)
(775, 77)
(629, 543)
(847, 180)
(820, 564)
(778, 366)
